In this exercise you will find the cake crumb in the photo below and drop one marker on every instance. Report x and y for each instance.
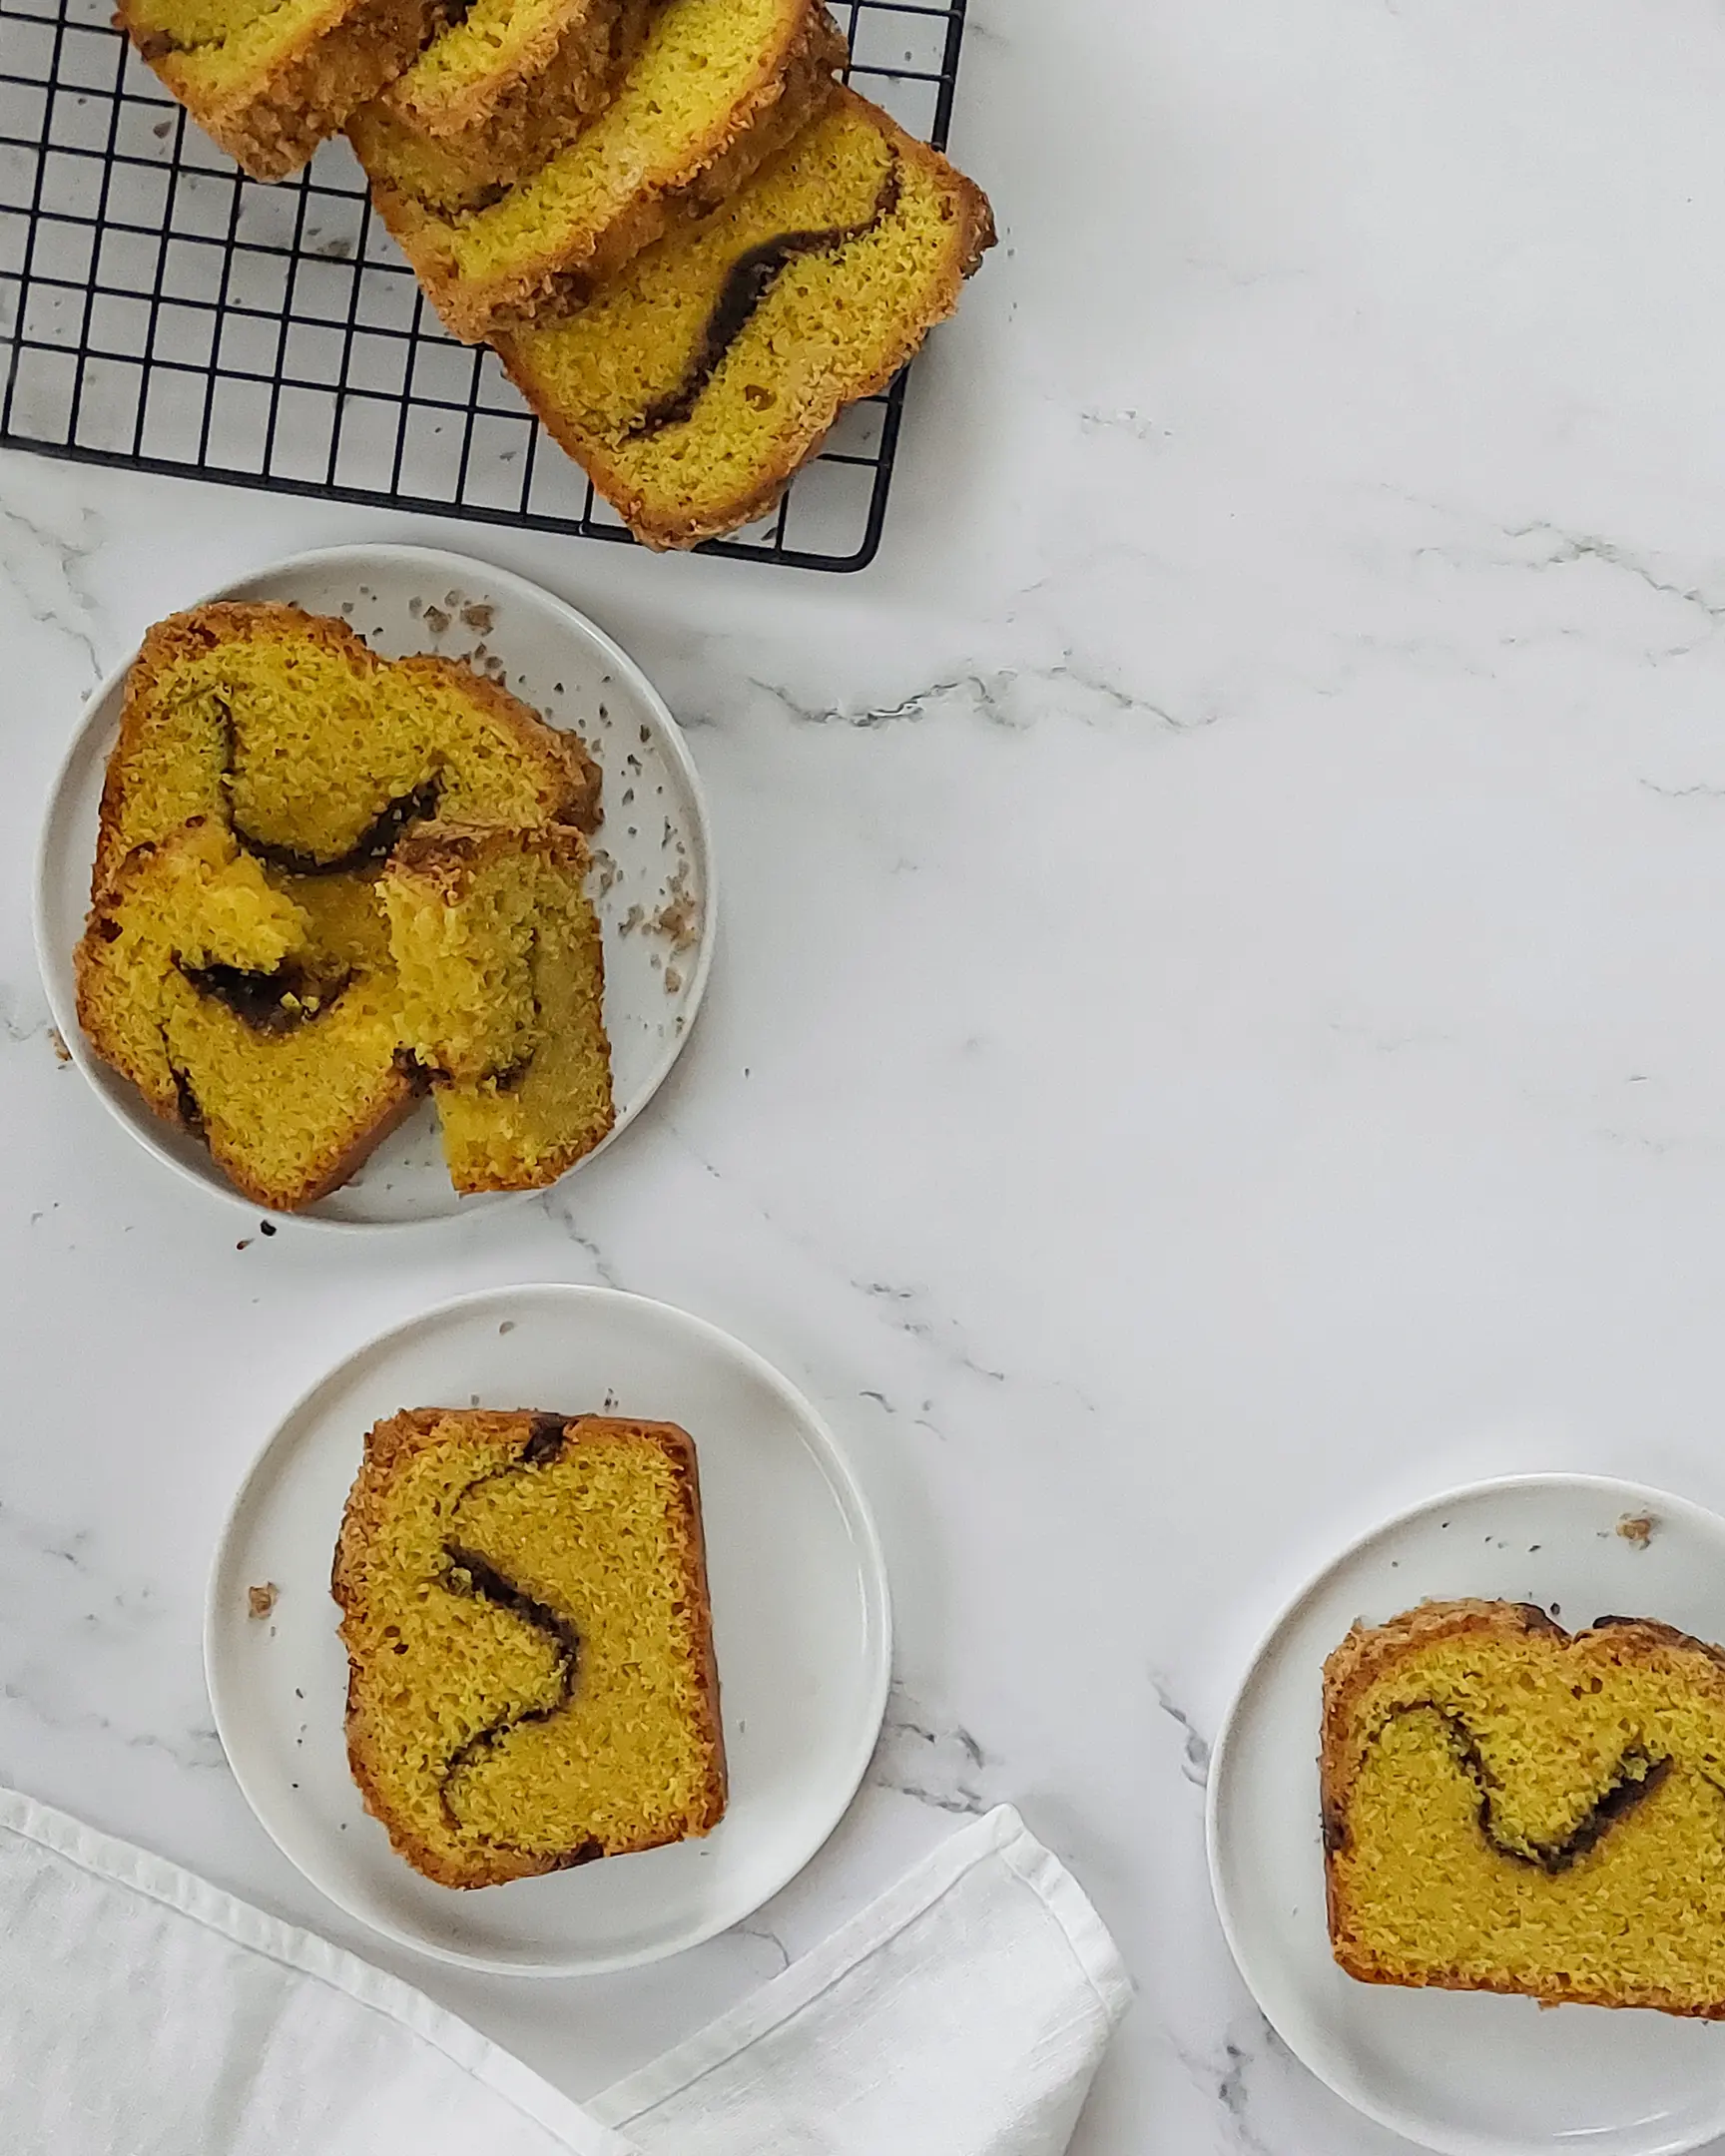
(436, 620)
(263, 1599)
(480, 618)
(57, 1041)
(673, 981)
(679, 918)
(1637, 1528)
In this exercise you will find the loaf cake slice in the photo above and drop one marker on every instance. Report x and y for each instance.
(210, 990)
(498, 91)
(524, 1604)
(1512, 1808)
(498, 954)
(270, 83)
(716, 88)
(287, 728)
(693, 384)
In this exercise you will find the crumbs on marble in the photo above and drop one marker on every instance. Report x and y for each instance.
(261, 1600)
(57, 1041)
(1638, 1528)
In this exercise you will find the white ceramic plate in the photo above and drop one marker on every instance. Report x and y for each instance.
(802, 1630)
(653, 845)
(1463, 2072)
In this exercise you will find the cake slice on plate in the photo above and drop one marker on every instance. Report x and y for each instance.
(524, 1604)
(208, 988)
(1512, 1808)
(502, 976)
(696, 382)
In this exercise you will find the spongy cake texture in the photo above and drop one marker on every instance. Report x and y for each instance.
(696, 382)
(1509, 1807)
(524, 1606)
(210, 990)
(499, 90)
(716, 88)
(269, 82)
(289, 728)
(498, 952)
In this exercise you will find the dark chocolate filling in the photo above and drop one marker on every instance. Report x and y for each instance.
(747, 283)
(279, 1003)
(1637, 1776)
(470, 1574)
(187, 1101)
(374, 845)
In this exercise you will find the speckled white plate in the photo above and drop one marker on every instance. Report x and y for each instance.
(1463, 2072)
(652, 846)
(800, 1625)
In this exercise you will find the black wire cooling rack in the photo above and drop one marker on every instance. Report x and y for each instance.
(166, 314)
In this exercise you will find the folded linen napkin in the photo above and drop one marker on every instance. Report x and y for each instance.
(145, 2012)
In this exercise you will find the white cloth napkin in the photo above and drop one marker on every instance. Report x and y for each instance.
(145, 2012)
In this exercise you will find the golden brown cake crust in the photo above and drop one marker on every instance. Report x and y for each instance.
(389, 1447)
(340, 61)
(1370, 1652)
(509, 122)
(971, 234)
(202, 629)
(795, 82)
(320, 1174)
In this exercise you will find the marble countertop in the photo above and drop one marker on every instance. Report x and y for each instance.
(1218, 1029)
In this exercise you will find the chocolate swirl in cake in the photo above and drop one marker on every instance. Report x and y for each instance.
(747, 283)
(279, 1003)
(470, 1574)
(1638, 1774)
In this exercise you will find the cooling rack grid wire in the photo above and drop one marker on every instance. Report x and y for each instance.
(163, 313)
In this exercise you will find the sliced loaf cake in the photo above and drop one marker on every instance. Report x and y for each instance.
(501, 89)
(696, 382)
(716, 88)
(269, 83)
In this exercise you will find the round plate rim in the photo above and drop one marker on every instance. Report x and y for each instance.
(312, 558)
(1411, 2126)
(860, 1517)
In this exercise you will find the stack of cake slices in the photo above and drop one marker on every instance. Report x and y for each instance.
(689, 244)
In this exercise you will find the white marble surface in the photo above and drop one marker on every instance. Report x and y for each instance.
(1220, 1023)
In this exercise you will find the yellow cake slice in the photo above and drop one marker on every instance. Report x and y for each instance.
(1512, 1808)
(693, 384)
(210, 990)
(498, 954)
(524, 1604)
(315, 751)
(500, 88)
(269, 82)
(716, 88)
